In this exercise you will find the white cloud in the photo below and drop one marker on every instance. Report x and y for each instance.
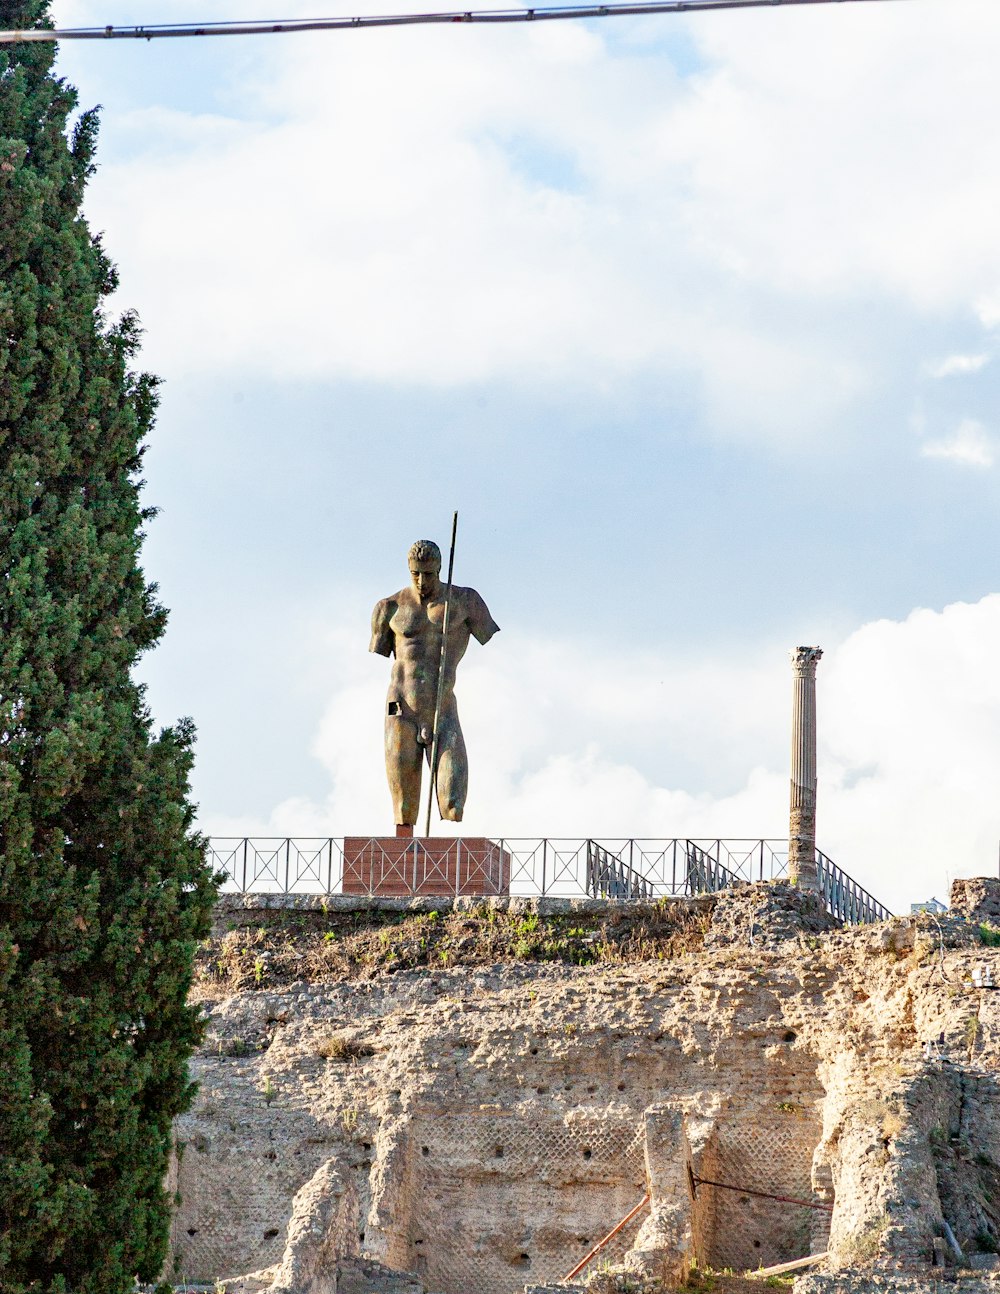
(842, 149)
(452, 205)
(970, 444)
(958, 364)
(909, 722)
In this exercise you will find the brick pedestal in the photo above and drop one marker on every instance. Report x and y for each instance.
(430, 865)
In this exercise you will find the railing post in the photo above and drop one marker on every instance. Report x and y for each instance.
(544, 860)
(246, 844)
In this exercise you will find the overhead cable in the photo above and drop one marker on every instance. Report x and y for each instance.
(540, 13)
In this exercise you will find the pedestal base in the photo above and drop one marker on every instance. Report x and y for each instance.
(431, 865)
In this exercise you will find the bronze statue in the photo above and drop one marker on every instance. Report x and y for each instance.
(408, 625)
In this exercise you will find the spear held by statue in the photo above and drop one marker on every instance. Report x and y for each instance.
(435, 734)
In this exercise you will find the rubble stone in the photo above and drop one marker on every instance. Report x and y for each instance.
(977, 898)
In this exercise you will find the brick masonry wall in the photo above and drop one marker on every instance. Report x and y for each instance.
(768, 1150)
(500, 1198)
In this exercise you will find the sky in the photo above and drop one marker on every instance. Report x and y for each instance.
(694, 320)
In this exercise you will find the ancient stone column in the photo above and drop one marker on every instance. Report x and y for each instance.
(802, 821)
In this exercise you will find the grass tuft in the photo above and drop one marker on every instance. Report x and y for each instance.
(338, 1046)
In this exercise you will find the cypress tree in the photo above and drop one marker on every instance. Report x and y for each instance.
(104, 890)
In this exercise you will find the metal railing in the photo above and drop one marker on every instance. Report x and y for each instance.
(559, 867)
(609, 877)
(706, 875)
(844, 897)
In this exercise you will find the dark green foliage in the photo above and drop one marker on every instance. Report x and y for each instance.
(103, 888)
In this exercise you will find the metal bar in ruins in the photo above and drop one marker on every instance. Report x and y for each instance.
(607, 1239)
(158, 31)
(764, 1195)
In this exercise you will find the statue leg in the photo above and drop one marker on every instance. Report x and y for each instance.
(403, 754)
(453, 767)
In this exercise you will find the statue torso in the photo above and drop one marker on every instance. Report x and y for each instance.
(410, 630)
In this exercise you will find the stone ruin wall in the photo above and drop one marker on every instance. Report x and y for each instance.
(475, 1194)
(496, 1129)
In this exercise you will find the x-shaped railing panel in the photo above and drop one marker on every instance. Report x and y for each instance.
(560, 867)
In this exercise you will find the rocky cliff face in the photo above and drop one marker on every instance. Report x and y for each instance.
(430, 1095)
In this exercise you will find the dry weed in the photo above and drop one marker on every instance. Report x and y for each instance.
(322, 946)
(338, 1046)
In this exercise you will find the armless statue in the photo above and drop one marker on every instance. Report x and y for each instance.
(408, 626)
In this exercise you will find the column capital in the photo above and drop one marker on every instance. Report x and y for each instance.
(805, 659)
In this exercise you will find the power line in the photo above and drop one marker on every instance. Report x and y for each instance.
(537, 14)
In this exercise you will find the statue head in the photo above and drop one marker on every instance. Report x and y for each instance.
(425, 567)
(425, 551)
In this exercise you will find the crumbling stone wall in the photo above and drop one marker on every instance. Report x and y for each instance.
(238, 1168)
(977, 898)
(322, 1233)
(794, 1061)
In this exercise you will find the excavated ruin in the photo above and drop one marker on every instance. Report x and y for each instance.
(465, 1098)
